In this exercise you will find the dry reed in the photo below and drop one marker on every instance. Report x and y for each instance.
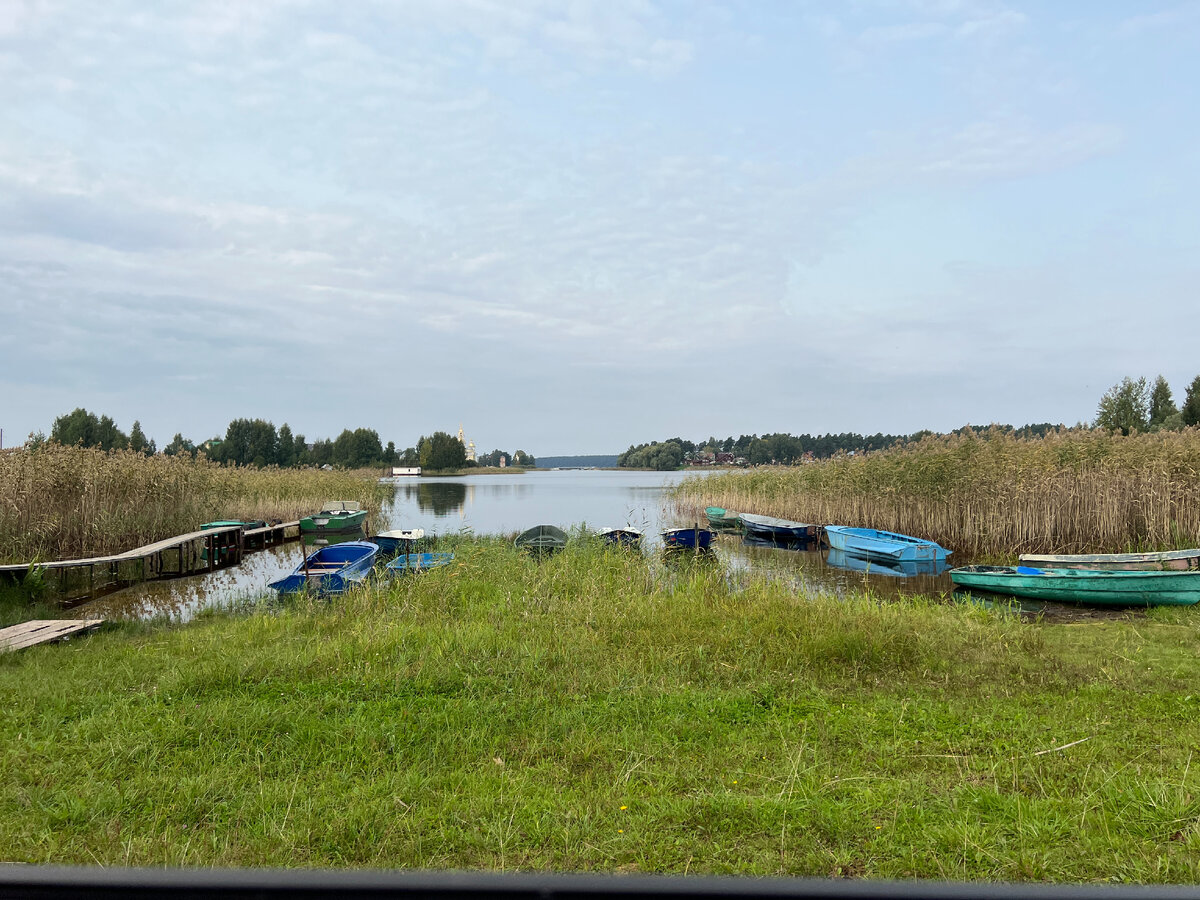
(61, 502)
(1073, 491)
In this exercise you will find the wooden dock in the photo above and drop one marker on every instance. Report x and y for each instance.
(187, 554)
(43, 631)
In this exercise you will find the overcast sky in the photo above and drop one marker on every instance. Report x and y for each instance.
(572, 226)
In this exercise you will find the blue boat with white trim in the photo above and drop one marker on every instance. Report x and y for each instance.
(886, 546)
(331, 569)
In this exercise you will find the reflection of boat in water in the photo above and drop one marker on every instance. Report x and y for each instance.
(331, 569)
(623, 537)
(1164, 561)
(780, 532)
(418, 562)
(887, 546)
(1095, 588)
(541, 539)
(839, 559)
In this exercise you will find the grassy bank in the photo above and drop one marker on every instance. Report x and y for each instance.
(1077, 491)
(587, 713)
(60, 502)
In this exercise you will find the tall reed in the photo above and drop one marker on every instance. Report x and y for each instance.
(1073, 491)
(60, 502)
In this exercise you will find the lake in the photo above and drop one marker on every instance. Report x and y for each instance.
(508, 504)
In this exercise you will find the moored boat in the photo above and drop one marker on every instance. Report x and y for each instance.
(541, 539)
(687, 538)
(418, 562)
(330, 569)
(1163, 561)
(872, 543)
(839, 559)
(1097, 588)
(394, 542)
(721, 519)
(780, 532)
(335, 515)
(624, 537)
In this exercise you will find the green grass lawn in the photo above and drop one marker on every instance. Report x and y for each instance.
(594, 711)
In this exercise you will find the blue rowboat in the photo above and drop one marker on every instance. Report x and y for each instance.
(886, 546)
(418, 562)
(1110, 587)
(839, 559)
(780, 532)
(331, 569)
(690, 538)
(623, 537)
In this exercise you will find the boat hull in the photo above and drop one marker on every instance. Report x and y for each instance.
(886, 546)
(621, 537)
(720, 519)
(1165, 561)
(780, 532)
(332, 569)
(334, 522)
(541, 539)
(839, 559)
(1093, 588)
(687, 538)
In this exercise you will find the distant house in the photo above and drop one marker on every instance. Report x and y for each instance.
(398, 471)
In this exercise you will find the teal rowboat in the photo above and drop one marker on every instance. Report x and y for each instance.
(720, 519)
(1095, 588)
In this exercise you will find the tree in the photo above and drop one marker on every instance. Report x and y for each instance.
(138, 442)
(83, 428)
(357, 449)
(1191, 403)
(1125, 407)
(521, 458)
(248, 442)
(285, 447)
(441, 451)
(1162, 405)
(179, 446)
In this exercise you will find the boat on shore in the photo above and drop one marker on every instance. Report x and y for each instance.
(334, 516)
(1163, 561)
(622, 537)
(721, 519)
(541, 539)
(872, 543)
(392, 543)
(780, 532)
(687, 538)
(411, 563)
(331, 569)
(1109, 587)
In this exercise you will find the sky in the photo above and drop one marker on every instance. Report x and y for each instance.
(574, 226)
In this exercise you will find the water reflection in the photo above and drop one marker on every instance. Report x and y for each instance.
(839, 559)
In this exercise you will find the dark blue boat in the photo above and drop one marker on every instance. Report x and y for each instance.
(418, 562)
(331, 569)
(689, 538)
(623, 537)
(392, 543)
(780, 532)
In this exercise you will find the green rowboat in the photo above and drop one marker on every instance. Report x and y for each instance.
(335, 516)
(1095, 588)
(720, 519)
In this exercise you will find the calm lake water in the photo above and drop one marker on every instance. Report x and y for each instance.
(508, 504)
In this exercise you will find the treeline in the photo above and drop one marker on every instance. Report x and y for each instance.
(257, 442)
(782, 448)
(1137, 405)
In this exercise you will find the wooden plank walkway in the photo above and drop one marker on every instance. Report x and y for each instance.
(43, 631)
(223, 546)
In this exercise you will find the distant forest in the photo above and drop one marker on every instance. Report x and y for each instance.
(785, 449)
(255, 442)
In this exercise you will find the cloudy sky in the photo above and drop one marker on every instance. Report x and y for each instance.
(572, 226)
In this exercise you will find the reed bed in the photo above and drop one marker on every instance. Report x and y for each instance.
(60, 502)
(993, 495)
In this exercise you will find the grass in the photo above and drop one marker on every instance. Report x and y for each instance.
(995, 495)
(61, 502)
(596, 711)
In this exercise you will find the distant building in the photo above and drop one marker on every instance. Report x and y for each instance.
(398, 471)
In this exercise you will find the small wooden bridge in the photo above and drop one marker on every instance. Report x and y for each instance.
(187, 554)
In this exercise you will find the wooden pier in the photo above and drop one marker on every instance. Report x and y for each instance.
(187, 554)
(43, 631)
